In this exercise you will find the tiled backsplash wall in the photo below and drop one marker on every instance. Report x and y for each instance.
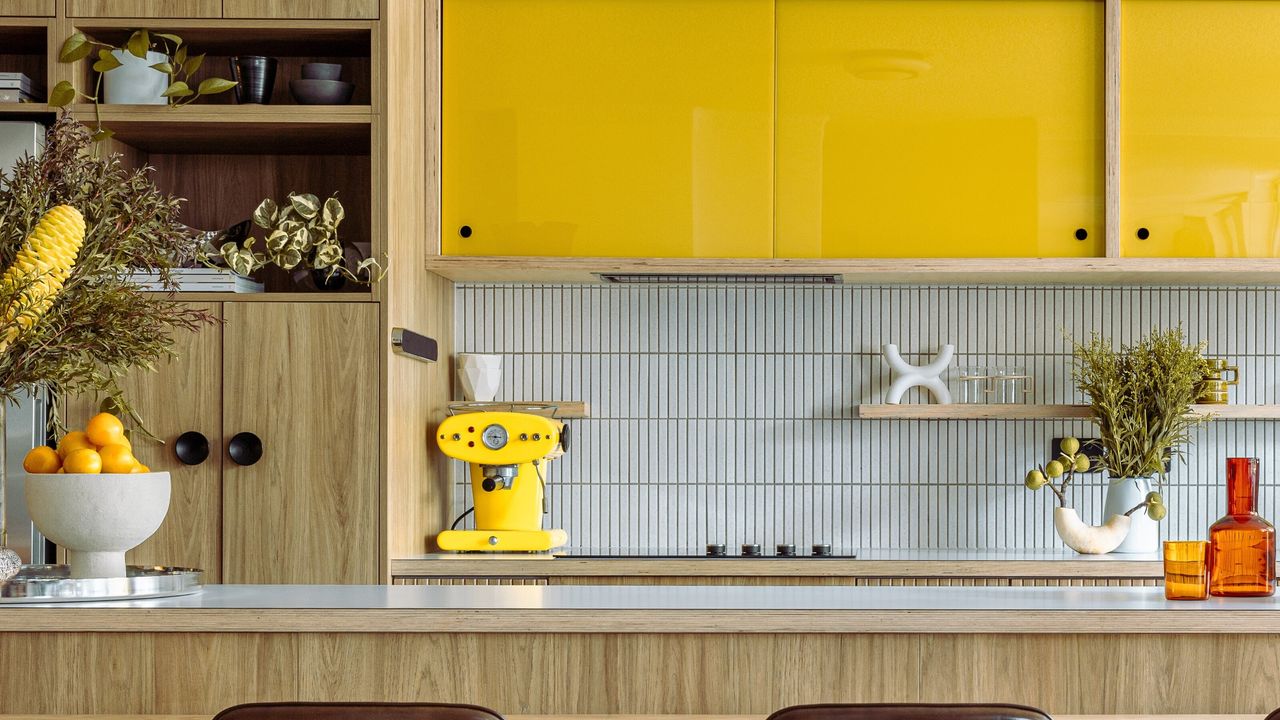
(728, 413)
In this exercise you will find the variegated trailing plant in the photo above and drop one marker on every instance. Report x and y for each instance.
(179, 65)
(301, 231)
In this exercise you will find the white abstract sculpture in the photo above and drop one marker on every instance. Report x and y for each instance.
(926, 376)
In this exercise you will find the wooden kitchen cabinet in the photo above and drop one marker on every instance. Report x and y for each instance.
(1200, 147)
(607, 128)
(145, 8)
(302, 9)
(302, 377)
(940, 128)
(183, 395)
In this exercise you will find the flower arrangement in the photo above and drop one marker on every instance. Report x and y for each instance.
(1141, 397)
(84, 331)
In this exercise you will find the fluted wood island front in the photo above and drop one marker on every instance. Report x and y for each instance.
(600, 650)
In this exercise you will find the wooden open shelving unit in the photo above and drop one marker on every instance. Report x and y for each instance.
(1010, 411)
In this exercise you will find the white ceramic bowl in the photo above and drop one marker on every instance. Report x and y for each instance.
(97, 518)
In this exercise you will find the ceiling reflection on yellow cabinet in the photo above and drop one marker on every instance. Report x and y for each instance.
(940, 128)
(608, 128)
(1200, 120)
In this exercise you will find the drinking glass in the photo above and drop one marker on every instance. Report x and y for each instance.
(1186, 569)
(973, 381)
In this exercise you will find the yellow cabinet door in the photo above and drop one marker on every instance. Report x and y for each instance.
(608, 128)
(1200, 122)
(940, 128)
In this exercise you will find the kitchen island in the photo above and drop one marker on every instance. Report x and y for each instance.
(629, 649)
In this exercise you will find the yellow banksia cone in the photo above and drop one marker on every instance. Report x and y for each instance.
(40, 268)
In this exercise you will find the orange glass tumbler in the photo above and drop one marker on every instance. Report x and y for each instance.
(1186, 569)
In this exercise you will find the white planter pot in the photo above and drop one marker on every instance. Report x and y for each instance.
(135, 82)
(480, 376)
(97, 518)
(1144, 533)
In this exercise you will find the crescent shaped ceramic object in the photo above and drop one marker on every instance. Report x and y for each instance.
(1090, 539)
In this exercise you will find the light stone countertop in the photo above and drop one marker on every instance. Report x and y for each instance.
(662, 609)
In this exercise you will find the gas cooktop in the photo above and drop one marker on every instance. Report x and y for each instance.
(713, 551)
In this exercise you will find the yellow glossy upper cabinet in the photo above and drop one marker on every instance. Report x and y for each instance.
(608, 128)
(1200, 120)
(940, 128)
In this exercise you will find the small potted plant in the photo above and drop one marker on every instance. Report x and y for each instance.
(152, 68)
(1140, 396)
(1057, 475)
(301, 232)
(73, 228)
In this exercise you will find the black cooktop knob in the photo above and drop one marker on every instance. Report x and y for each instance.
(716, 550)
(821, 550)
(785, 550)
(751, 550)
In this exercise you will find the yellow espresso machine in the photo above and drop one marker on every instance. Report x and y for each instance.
(508, 453)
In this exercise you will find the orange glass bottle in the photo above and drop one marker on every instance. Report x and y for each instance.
(1242, 545)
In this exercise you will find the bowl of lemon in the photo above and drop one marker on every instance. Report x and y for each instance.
(93, 497)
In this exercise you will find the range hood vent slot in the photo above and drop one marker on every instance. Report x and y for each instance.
(706, 279)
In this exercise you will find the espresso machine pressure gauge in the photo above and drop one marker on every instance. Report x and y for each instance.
(494, 437)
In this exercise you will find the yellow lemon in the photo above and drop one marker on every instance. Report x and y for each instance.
(117, 458)
(104, 429)
(73, 441)
(83, 461)
(41, 460)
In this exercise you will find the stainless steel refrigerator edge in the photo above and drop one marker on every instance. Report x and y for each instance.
(26, 421)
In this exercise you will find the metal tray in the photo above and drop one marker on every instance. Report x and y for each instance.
(53, 583)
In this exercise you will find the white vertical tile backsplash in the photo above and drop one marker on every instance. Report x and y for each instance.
(726, 413)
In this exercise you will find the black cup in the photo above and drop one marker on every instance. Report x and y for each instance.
(256, 76)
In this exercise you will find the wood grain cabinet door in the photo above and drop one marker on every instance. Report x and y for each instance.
(183, 395)
(303, 379)
(302, 9)
(27, 8)
(145, 8)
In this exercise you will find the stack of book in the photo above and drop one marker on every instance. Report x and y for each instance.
(199, 280)
(16, 87)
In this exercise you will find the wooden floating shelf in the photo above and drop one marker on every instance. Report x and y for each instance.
(25, 109)
(878, 271)
(238, 129)
(562, 410)
(963, 411)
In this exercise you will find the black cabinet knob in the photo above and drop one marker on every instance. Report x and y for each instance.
(1143, 233)
(191, 447)
(465, 231)
(245, 448)
(1082, 234)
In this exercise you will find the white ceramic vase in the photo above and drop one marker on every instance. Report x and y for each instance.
(480, 376)
(135, 82)
(1144, 533)
(1089, 539)
(97, 518)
